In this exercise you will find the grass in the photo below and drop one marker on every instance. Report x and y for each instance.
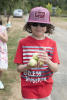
(60, 22)
(59, 18)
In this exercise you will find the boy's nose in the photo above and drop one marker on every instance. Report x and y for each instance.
(38, 26)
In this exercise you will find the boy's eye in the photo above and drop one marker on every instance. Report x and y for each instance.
(38, 24)
(34, 24)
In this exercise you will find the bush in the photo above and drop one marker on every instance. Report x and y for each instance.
(58, 11)
(49, 7)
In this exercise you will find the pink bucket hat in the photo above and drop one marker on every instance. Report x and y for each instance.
(39, 15)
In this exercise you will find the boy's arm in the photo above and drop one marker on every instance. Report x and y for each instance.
(22, 68)
(53, 66)
(45, 58)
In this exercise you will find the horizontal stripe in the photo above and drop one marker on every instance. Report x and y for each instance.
(32, 53)
(28, 54)
(37, 50)
(27, 57)
(37, 47)
(40, 68)
(25, 63)
(31, 57)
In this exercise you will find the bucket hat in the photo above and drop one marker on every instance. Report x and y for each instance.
(39, 15)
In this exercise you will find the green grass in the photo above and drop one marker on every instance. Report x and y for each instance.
(65, 18)
(59, 18)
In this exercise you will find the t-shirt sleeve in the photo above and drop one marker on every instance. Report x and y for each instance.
(18, 56)
(55, 57)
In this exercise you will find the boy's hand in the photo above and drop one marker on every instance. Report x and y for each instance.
(31, 66)
(43, 59)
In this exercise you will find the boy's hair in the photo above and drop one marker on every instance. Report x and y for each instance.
(50, 28)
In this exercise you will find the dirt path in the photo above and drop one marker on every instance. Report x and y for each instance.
(16, 91)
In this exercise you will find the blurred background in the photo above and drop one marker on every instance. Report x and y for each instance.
(56, 7)
(16, 13)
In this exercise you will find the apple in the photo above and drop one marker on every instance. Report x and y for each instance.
(41, 63)
(35, 56)
(32, 62)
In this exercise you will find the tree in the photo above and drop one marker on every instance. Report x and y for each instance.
(8, 5)
(49, 7)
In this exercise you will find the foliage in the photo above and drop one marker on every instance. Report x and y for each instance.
(49, 7)
(58, 11)
(26, 5)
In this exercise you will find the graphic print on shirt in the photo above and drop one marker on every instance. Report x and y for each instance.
(36, 75)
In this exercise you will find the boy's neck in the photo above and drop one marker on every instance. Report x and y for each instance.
(38, 38)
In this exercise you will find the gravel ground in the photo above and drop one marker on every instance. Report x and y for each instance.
(60, 78)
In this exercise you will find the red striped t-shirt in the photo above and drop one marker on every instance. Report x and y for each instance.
(36, 76)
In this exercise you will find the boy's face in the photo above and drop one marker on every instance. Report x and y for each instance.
(38, 31)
